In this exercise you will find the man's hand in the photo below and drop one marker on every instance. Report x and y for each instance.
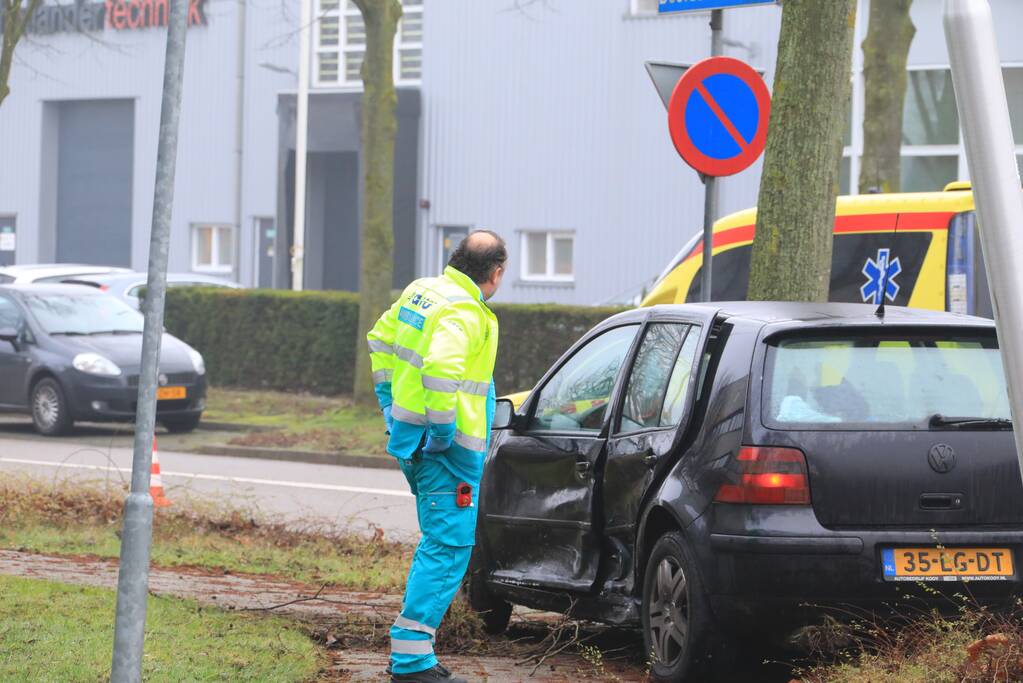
(388, 420)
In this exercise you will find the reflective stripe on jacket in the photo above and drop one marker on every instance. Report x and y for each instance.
(433, 356)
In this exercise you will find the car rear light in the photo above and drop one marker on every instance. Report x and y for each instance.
(104, 288)
(768, 476)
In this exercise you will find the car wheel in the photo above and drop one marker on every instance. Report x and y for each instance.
(50, 413)
(181, 425)
(676, 617)
(492, 610)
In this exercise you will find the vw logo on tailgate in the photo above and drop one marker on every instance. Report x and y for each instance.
(942, 458)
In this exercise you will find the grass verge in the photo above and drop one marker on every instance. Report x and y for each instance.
(977, 646)
(54, 632)
(299, 421)
(86, 520)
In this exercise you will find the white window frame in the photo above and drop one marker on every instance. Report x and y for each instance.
(344, 10)
(549, 275)
(215, 267)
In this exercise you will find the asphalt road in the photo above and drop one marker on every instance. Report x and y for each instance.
(298, 493)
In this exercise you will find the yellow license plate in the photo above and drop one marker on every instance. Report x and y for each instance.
(170, 393)
(947, 564)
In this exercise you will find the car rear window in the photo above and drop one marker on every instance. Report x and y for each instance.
(890, 382)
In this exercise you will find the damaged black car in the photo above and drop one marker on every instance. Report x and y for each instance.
(714, 472)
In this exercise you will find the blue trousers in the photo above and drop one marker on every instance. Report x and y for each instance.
(440, 561)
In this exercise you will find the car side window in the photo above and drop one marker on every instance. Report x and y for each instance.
(575, 399)
(10, 314)
(648, 380)
(675, 399)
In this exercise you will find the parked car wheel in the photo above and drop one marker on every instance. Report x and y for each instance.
(181, 425)
(494, 611)
(50, 413)
(676, 617)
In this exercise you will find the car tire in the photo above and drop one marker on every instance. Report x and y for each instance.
(677, 622)
(181, 425)
(51, 414)
(494, 612)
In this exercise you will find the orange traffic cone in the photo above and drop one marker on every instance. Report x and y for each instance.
(156, 481)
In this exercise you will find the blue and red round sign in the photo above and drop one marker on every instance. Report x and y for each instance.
(718, 115)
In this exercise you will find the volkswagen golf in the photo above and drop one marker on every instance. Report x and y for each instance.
(705, 472)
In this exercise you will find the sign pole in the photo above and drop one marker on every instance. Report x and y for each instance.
(987, 133)
(710, 183)
(137, 536)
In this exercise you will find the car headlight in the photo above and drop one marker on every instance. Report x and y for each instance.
(95, 364)
(197, 361)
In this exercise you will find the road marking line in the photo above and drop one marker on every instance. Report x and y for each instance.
(219, 477)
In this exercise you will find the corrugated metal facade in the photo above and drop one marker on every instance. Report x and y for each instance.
(539, 118)
(129, 65)
(545, 118)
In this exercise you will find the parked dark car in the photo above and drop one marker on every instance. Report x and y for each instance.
(72, 353)
(719, 470)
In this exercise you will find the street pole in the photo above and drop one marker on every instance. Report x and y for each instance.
(990, 154)
(710, 183)
(301, 145)
(137, 535)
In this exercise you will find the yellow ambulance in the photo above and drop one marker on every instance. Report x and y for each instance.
(928, 242)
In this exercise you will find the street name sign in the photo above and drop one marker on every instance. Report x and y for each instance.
(667, 6)
(718, 116)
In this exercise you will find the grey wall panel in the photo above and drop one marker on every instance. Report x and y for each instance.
(341, 253)
(545, 119)
(95, 146)
(46, 226)
(406, 186)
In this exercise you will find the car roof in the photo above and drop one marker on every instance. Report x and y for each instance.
(40, 270)
(799, 314)
(139, 276)
(49, 288)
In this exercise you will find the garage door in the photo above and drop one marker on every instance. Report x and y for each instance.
(94, 182)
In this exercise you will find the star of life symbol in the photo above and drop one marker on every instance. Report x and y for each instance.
(874, 270)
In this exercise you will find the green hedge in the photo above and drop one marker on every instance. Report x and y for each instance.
(305, 341)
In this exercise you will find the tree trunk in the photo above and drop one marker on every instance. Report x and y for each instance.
(885, 52)
(791, 259)
(379, 126)
(14, 19)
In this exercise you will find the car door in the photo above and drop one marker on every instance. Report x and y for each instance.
(654, 409)
(14, 358)
(539, 490)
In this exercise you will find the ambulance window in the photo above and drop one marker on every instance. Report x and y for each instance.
(729, 278)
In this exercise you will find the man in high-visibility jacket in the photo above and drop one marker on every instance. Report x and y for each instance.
(433, 358)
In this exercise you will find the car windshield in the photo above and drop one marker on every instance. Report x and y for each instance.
(69, 314)
(897, 382)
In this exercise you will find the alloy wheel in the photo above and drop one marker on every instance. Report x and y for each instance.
(669, 612)
(46, 406)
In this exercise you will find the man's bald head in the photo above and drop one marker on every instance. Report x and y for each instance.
(481, 256)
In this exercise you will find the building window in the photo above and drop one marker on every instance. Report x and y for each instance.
(340, 44)
(548, 256)
(213, 248)
(450, 237)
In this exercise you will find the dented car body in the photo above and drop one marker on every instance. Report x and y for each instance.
(740, 466)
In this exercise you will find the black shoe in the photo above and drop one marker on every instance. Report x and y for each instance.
(434, 675)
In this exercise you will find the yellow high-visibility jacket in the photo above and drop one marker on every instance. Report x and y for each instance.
(433, 356)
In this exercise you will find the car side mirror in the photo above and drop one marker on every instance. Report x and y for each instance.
(504, 414)
(11, 334)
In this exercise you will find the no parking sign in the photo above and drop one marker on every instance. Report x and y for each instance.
(718, 116)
